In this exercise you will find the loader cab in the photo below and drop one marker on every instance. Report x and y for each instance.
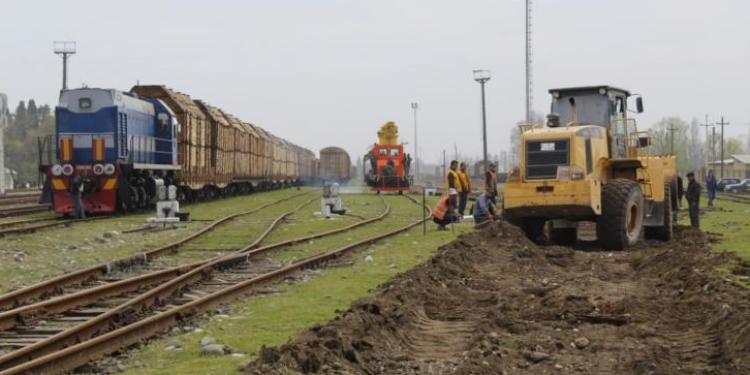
(605, 106)
(595, 105)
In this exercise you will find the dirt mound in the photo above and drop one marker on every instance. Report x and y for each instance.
(492, 302)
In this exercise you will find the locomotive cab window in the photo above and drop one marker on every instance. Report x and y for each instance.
(84, 103)
(394, 152)
(383, 151)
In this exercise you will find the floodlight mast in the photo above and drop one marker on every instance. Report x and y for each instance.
(482, 76)
(66, 49)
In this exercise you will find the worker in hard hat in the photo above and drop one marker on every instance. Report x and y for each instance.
(465, 182)
(444, 212)
(453, 183)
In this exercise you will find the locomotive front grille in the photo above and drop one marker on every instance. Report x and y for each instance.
(543, 158)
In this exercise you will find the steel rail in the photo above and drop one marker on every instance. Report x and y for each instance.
(86, 350)
(154, 297)
(11, 318)
(12, 211)
(54, 285)
(7, 224)
(58, 223)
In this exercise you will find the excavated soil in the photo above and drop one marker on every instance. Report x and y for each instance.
(492, 302)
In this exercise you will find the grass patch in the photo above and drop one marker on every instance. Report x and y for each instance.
(732, 221)
(274, 319)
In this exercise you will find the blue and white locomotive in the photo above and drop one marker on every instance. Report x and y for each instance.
(121, 145)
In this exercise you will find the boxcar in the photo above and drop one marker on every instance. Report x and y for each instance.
(335, 165)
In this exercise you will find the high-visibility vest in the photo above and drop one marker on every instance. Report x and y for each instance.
(441, 208)
(465, 181)
(455, 178)
(493, 182)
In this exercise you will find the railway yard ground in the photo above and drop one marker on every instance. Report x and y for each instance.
(453, 302)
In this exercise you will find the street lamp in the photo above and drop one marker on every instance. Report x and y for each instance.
(65, 49)
(482, 76)
(414, 107)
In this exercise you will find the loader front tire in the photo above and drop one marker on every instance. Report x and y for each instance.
(621, 222)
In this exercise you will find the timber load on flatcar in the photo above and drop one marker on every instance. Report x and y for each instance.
(123, 144)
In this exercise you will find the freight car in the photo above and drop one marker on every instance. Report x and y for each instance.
(125, 143)
(335, 165)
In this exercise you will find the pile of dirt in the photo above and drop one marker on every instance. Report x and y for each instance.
(492, 302)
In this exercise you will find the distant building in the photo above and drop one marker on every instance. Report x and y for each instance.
(737, 166)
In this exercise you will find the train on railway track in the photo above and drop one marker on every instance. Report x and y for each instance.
(125, 144)
(386, 166)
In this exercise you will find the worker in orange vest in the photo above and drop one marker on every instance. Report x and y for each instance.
(490, 182)
(444, 211)
(463, 194)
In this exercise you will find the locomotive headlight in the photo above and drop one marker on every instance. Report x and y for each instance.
(67, 169)
(57, 170)
(98, 169)
(109, 169)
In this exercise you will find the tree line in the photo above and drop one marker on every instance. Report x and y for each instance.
(27, 123)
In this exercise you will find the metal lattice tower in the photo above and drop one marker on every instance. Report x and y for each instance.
(529, 73)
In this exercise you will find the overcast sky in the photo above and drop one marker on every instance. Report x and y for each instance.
(323, 72)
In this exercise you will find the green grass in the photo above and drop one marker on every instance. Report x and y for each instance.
(274, 319)
(732, 221)
(29, 258)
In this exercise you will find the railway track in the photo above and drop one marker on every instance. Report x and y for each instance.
(23, 210)
(30, 225)
(19, 198)
(735, 197)
(55, 286)
(98, 329)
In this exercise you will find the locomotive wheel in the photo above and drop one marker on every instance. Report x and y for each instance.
(621, 222)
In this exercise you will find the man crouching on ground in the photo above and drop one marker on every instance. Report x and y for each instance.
(444, 212)
(484, 209)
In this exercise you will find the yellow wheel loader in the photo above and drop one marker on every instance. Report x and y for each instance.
(590, 163)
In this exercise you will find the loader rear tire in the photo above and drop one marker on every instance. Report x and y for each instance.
(621, 222)
(663, 232)
(563, 236)
(533, 228)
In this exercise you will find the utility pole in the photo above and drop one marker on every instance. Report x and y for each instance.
(444, 163)
(414, 107)
(671, 137)
(65, 49)
(455, 151)
(722, 124)
(713, 142)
